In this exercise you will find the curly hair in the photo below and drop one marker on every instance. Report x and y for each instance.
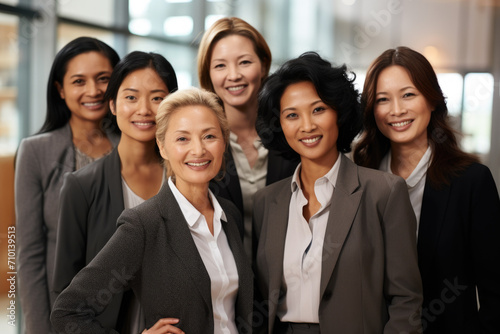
(335, 87)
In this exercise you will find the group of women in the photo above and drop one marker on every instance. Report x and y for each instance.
(235, 209)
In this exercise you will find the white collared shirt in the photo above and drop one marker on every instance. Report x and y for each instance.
(304, 249)
(415, 182)
(217, 258)
(251, 180)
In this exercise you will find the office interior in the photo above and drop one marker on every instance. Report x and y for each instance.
(461, 38)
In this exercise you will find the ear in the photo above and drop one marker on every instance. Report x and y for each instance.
(60, 89)
(162, 151)
(112, 107)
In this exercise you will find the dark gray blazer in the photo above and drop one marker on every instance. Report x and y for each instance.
(41, 162)
(370, 281)
(153, 252)
(91, 202)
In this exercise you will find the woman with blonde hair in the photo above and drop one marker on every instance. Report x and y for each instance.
(179, 251)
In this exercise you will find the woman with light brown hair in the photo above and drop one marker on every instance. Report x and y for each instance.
(454, 197)
(233, 61)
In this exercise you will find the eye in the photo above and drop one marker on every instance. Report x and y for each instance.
(210, 136)
(291, 115)
(181, 139)
(78, 82)
(382, 99)
(245, 62)
(104, 79)
(219, 66)
(130, 98)
(157, 99)
(318, 109)
(408, 95)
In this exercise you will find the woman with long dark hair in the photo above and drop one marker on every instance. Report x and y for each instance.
(454, 197)
(77, 130)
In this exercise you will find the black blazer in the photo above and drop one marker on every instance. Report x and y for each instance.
(153, 252)
(91, 202)
(229, 188)
(459, 249)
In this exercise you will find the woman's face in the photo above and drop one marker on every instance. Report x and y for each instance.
(136, 104)
(84, 84)
(401, 112)
(309, 124)
(236, 71)
(194, 149)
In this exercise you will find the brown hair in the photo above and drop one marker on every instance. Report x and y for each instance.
(447, 159)
(222, 28)
(184, 98)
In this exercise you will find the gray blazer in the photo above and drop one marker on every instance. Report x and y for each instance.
(370, 281)
(91, 202)
(42, 160)
(153, 252)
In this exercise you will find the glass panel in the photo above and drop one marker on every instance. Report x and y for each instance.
(478, 105)
(95, 11)
(68, 32)
(9, 113)
(182, 58)
(452, 85)
(178, 26)
(10, 2)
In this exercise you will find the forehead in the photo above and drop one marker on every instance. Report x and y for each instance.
(192, 118)
(393, 77)
(88, 62)
(233, 45)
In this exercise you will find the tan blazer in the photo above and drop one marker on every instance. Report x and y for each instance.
(370, 281)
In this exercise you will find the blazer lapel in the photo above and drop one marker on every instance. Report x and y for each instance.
(112, 168)
(432, 216)
(345, 203)
(180, 240)
(277, 224)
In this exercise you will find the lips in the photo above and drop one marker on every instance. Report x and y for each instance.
(401, 124)
(198, 164)
(311, 140)
(93, 105)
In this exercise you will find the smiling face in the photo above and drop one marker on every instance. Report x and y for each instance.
(309, 124)
(136, 104)
(194, 150)
(84, 84)
(401, 112)
(236, 71)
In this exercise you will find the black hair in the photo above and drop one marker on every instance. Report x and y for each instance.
(58, 113)
(335, 88)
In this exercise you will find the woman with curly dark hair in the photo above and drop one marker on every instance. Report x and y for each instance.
(335, 243)
(454, 197)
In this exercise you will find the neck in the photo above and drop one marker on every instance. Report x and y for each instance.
(84, 130)
(242, 120)
(404, 158)
(134, 154)
(310, 170)
(196, 194)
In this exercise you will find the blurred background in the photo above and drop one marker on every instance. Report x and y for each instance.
(461, 38)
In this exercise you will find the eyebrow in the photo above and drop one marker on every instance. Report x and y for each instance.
(294, 108)
(402, 89)
(153, 91)
(204, 130)
(239, 57)
(98, 74)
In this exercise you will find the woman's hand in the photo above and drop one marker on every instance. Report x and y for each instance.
(164, 326)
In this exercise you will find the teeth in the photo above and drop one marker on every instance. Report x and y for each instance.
(235, 88)
(401, 123)
(93, 104)
(312, 140)
(194, 164)
(138, 123)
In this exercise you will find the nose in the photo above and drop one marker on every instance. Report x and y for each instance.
(234, 73)
(93, 88)
(307, 124)
(197, 147)
(144, 107)
(398, 108)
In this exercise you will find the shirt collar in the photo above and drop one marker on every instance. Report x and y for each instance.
(417, 174)
(331, 176)
(190, 213)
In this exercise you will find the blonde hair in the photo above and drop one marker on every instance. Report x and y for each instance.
(222, 28)
(185, 98)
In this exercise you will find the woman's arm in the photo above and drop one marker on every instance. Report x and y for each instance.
(109, 273)
(71, 233)
(403, 286)
(485, 235)
(31, 241)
